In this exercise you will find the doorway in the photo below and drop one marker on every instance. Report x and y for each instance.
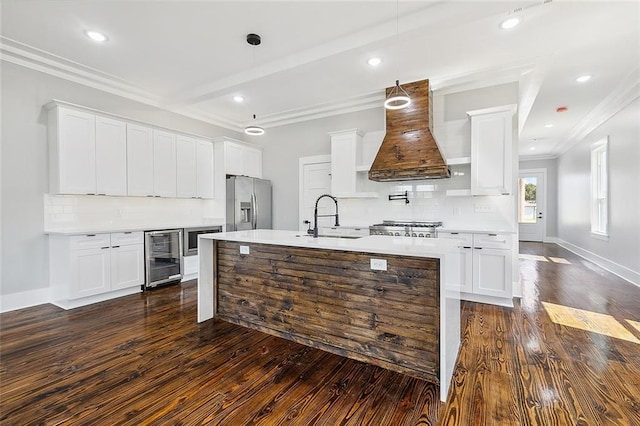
(532, 204)
(315, 180)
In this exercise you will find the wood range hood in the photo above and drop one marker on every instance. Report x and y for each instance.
(409, 151)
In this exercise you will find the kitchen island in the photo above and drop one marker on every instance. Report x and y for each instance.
(376, 299)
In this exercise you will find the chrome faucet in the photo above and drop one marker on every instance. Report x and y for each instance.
(316, 215)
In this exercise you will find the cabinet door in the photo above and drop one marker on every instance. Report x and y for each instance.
(164, 164)
(90, 272)
(139, 161)
(252, 162)
(343, 164)
(492, 272)
(491, 153)
(204, 168)
(127, 266)
(186, 167)
(233, 161)
(111, 156)
(76, 145)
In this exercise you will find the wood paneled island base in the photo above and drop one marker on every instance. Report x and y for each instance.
(334, 301)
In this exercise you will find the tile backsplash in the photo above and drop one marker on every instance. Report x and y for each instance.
(85, 211)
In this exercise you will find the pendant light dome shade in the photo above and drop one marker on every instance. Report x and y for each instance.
(397, 98)
(253, 129)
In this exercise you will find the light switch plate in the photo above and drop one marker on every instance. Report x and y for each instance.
(244, 249)
(379, 264)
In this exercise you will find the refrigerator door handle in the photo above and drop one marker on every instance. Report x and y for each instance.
(254, 211)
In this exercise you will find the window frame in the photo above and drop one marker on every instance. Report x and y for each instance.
(599, 189)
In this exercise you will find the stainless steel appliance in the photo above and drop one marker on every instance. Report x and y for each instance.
(400, 228)
(163, 254)
(190, 238)
(248, 203)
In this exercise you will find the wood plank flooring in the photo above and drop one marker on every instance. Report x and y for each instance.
(143, 359)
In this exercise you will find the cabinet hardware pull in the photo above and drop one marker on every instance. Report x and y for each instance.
(90, 193)
(149, 195)
(129, 232)
(102, 194)
(454, 233)
(493, 235)
(477, 248)
(115, 246)
(467, 247)
(91, 235)
(104, 247)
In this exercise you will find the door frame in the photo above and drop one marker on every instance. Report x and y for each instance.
(304, 161)
(544, 198)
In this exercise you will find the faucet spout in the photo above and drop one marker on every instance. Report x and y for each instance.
(316, 216)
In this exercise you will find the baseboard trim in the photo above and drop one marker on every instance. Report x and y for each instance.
(550, 240)
(622, 271)
(24, 299)
(490, 300)
(89, 300)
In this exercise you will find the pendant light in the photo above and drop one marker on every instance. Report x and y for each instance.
(398, 98)
(254, 40)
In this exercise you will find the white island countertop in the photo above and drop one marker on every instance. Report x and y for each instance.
(383, 244)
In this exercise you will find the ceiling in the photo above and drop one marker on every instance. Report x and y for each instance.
(192, 57)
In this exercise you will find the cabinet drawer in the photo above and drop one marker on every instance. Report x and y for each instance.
(89, 241)
(466, 240)
(499, 241)
(127, 238)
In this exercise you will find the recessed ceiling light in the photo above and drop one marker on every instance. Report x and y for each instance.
(238, 98)
(96, 36)
(374, 62)
(548, 125)
(533, 148)
(510, 22)
(583, 78)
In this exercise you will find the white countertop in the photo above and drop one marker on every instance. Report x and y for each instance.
(402, 246)
(131, 228)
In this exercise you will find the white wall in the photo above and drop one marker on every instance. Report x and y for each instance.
(24, 156)
(551, 214)
(621, 252)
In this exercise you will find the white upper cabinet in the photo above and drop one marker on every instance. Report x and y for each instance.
(204, 169)
(72, 152)
(492, 150)
(164, 164)
(348, 173)
(139, 160)
(241, 159)
(186, 167)
(111, 156)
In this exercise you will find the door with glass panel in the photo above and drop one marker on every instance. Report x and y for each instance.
(531, 205)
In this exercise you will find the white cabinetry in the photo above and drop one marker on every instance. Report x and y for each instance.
(186, 173)
(347, 172)
(241, 158)
(205, 169)
(484, 273)
(111, 156)
(72, 152)
(164, 164)
(492, 150)
(93, 266)
(87, 153)
(194, 168)
(139, 160)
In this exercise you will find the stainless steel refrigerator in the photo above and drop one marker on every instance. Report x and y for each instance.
(248, 203)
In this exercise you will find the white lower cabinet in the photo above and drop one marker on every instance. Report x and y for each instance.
(81, 266)
(484, 272)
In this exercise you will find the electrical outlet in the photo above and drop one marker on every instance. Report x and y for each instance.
(379, 264)
(244, 249)
(482, 208)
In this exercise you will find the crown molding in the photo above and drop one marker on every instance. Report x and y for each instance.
(39, 60)
(536, 157)
(626, 92)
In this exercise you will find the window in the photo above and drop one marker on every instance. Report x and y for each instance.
(599, 192)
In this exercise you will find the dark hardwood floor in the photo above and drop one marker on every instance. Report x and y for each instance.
(143, 359)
